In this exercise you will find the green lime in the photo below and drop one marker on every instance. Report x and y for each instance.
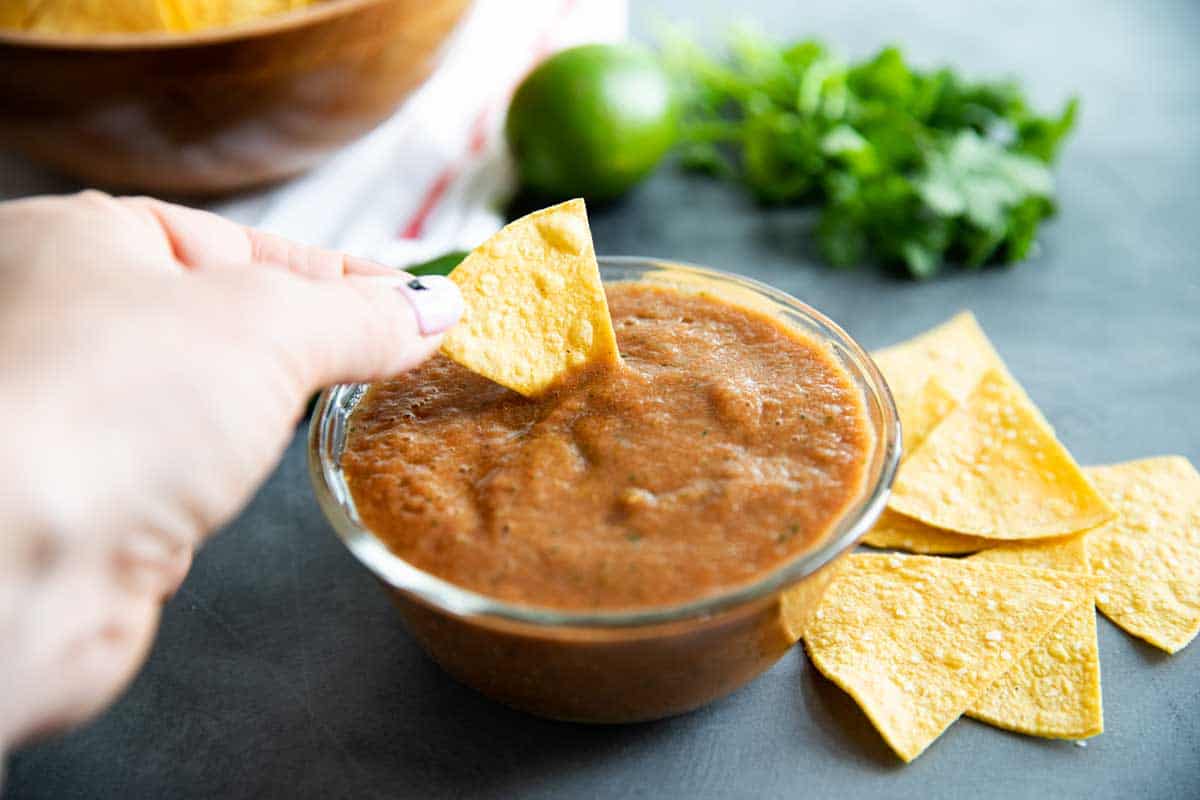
(591, 121)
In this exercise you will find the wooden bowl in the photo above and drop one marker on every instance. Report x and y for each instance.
(216, 111)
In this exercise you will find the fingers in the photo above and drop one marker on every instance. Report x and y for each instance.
(201, 240)
(373, 328)
(349, 330)
(88, 232)
(312, 262)
(370, 323)
(93, 669)
(79, 640)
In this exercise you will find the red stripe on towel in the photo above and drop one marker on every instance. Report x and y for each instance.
(477, 142)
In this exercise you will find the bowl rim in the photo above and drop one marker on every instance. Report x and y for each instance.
(459, 601)
(168, 40)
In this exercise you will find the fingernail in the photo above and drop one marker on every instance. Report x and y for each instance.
(435, 300)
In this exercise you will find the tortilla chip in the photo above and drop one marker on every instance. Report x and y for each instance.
(957, 353)
(250, 10)
(200, 14)
(1053, 691)
(916, 640)
(1148, 559)
(135, 16)
(535, 308)
(1063, 553)
(798, 604)
(894, 531)
(17, 13)
(922, 413)
(993, 468)
(174, 15)
(96, 16)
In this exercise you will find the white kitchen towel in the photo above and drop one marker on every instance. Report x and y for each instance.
(433, 177)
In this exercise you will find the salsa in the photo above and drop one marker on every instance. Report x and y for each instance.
(724, 444)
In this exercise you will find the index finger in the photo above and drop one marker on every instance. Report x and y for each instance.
(202, 240)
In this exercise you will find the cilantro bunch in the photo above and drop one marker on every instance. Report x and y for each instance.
(912, 168)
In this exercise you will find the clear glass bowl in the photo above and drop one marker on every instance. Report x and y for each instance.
(620, 666)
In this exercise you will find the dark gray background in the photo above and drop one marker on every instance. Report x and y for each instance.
(281, 670)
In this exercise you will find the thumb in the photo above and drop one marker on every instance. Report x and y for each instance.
(357, 328)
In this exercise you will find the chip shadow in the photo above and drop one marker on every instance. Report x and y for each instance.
(847, 730)
(1147, 653)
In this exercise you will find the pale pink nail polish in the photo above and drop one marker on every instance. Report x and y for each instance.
(435, 300)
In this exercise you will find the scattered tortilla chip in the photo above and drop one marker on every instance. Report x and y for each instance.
(1063, 553)
(535, 307)
(1148, 559)
(993, 468)
(894, 531)
(957, 353)
(916, 640)
(1053, 691)
(797, 604)
(922, 413)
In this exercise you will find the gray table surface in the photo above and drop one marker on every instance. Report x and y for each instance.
(281, 670)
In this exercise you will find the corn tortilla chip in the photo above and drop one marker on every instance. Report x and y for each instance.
(96, 16)
(241, 11)
(922, 413)
(535, 307)
(17, 13)
(894, 531)
(1053, 691)
(799, 603)
(1063, 553)
(957, 353)
(199, 14)
(993, 468)
(916, 640)
(1148, 559)
(174, 15)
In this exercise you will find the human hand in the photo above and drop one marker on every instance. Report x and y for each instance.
(155, 362)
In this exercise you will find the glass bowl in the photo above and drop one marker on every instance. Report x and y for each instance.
(621, 666)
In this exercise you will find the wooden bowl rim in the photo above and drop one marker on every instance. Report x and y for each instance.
(166, 40)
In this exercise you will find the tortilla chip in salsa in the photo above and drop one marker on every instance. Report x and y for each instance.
(535, 306)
